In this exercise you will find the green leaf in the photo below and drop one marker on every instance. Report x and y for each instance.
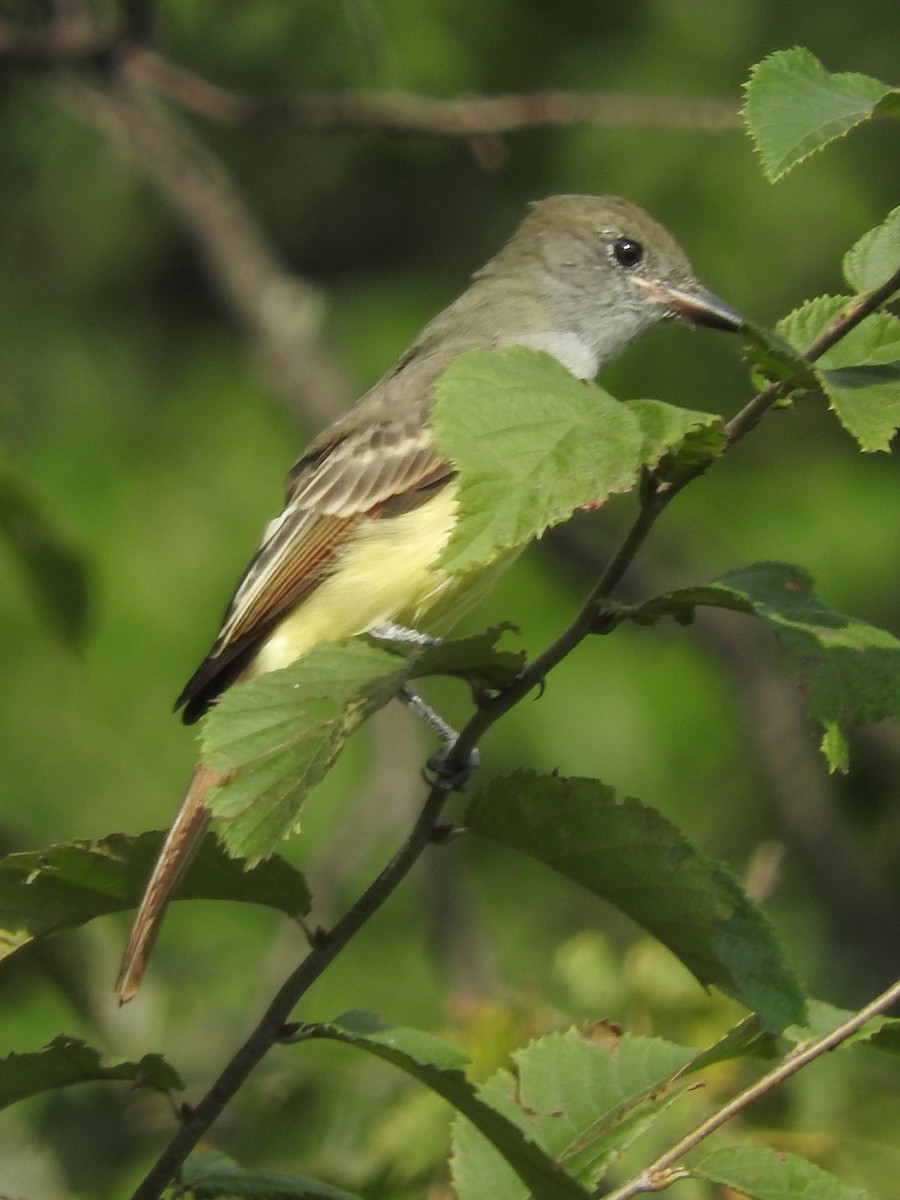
(55, 573)
(749, 1038)
(438, 1065)
(866, 398)
(876, 256)
(69, 884)
(476, 659)
(677, 441)
(282, 732)
(632, 857)
(850, 671)
(860, 376)
(776, 360)
(544, 445)
(66, 1061)
(794, 107)
(583, 1099)
(823, 1017)
(887, 1038)
(212, 1175)
(547, 444)
(763, 1174)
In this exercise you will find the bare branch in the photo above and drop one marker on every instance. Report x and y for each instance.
(855, 312)
(270, 1029)
(68, 42)
(70, 38)
(404, 113)
(283, 313)
(656, 1175)
(267, 1032)
(655, 500)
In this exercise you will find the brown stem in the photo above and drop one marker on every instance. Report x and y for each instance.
(405, 113)
(656, 1175)
(656, 499)
(281, 310)
(858, 309)
(270, 1029)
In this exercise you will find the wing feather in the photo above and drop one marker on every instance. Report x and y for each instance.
(364, 473)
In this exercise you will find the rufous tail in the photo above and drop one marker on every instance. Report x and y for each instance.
(179, 848)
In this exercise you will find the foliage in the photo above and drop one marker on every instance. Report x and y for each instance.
(795, 107)
(551, 1096)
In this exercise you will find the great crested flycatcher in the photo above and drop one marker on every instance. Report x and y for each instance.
(371, 503)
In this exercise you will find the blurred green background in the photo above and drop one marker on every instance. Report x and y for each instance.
(152, 435)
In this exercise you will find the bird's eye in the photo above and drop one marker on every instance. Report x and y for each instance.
(627, 252)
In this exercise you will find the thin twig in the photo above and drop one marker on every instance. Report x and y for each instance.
(284, 313)
(409, 114)
(650, 1178)
(657, 497)
(66, 40)
(393, 112)
(270, 1029)
(856, 311)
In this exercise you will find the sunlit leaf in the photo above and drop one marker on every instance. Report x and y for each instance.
(860, 375)
(677, 441)
(532, 444)
(876, 256)
(764, 1174)
(282, 732)
(438, 1065)
(583, 1099)
(794, 106)
(278, 735)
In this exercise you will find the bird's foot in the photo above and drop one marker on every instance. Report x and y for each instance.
(437, 772)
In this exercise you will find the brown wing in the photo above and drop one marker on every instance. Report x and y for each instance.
(383, 468)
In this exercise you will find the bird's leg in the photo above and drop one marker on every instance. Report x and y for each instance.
(389, 632)
(436, 772)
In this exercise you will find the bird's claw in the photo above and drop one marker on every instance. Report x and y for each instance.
(438, 773)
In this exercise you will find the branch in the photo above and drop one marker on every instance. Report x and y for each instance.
(408, 114)
(70, 38)
(70, 42)
(284, 314)
(271, 1029)
(853, 314)
(656, 1175)
(655, 500)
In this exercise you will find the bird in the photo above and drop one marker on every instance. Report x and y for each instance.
(371, 503)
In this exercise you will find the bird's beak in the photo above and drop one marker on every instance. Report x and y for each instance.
(696, 304)
(704, 308)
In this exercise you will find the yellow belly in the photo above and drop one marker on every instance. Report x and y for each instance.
(385, 573)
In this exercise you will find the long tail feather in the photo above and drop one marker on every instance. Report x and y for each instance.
(174, 858)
